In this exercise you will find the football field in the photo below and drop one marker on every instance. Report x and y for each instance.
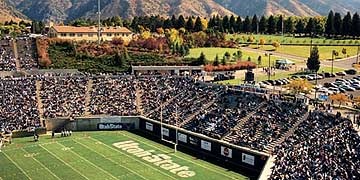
(102, 155)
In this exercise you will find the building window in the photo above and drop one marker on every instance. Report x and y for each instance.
(108, 34)
(80, 35)
(63, 34)
(72, 34)
(117, 34)
(90, 35)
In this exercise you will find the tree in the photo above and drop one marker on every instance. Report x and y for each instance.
(344, 51)
(262, 25)
(254, 24)
(289, 26)
(279, 24)
(227, 55)
(181, 22)
(271, 29)
(300, 86)
(338, 24)
(239, 24)
(356, 25)
(341, 98)
(313, 62)
(310, 27)
(119, 59)
(216, 61)
(190, 25)
(259, 60)
(223, 61)
(276, 45)
(247, 25)
(226, 24)
(262, 42)
(346, 30)
(232, 24)
(202, 59)
(330, 27)
(198, 25)
(300, 27)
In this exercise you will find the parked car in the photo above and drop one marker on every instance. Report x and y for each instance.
(351, 71)
(341, 74)
(329, 75)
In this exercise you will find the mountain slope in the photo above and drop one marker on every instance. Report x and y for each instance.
(289, 7)
(65, 10)
(8, 13)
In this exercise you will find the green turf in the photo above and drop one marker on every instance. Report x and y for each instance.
(91, 155)
(210, 54)
(288, 39)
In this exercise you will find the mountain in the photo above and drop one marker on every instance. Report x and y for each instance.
(289, 7)
(8, 13)
(66, 10)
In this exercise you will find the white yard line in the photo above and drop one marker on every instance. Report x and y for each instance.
(43, 166)
(177, 156)
(64, 162)
(17, 166)
(97, 167)
(135, 159)
(87, 147)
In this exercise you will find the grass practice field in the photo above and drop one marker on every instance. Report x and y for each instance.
(102, 155)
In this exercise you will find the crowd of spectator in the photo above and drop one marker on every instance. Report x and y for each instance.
(63, 96)
(113, 95)
(323, 147)
(224, 114)
(18, 105)
(26, 48)
(268, 124)
(7, 57)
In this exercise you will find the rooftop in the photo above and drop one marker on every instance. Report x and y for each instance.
(90, 29)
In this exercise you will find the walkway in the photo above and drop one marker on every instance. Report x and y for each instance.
(16, 54)
(40, 105)
(89, 90)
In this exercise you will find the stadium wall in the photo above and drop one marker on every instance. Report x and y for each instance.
(245, 159)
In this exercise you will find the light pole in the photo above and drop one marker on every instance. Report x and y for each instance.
(99, 19)
(357, 57)
(269, 70)
(332, 62)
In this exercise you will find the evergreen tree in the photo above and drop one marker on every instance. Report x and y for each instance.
(216, 61)
(356, 25)
(247, 25)
(174, 21)
(226, 24)
(289, 26)
(271, 29)
(300, 27)
(180, 22)
(262, 25)
(232, 24)
(168, 24)
(280, 24)
(329, 27)
(223, 61)
(198, 25)
(190, 25)
(310, 27)
(239, 25)
(313, 62)
(319, 26)
(338, 24)
(201, 60)
(254, 24)
(346, 31)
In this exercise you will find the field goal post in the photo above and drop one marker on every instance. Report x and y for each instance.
(176, 129)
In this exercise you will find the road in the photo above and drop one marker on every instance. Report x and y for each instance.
(345, 63)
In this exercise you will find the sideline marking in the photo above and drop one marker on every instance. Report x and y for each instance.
(87, 147)
(43, 166)
(135, 159)
(97, 167)
(136, 139)
(64, 162)
(17, 166)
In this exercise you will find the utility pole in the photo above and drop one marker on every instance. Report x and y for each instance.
(99, 22)
(358, 53)
(332, 62)
(269, 69)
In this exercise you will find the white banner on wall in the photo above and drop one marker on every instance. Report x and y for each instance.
(165, 132)
(149, 126)
(205, 145)
(248, 159)
(227, 152)
(182, 137)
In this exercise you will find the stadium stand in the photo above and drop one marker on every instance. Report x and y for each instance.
(26, 48)
(7, 58)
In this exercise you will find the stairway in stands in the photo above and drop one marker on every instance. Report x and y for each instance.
(39, 102)
(16, 55)
(138, 100)
(89, 89)
(291, 131)
(230, 136)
